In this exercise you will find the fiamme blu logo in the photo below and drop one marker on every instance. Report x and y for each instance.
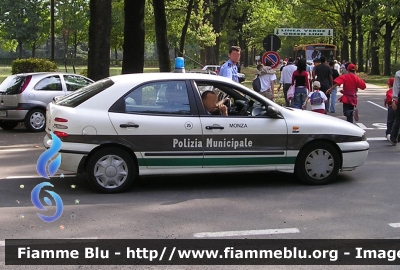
(47, 166)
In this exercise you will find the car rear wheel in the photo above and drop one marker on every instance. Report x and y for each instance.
(111, 170)
(318, 163)
(35, 120)
(8, 125)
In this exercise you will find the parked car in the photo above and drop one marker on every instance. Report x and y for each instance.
(215, 68)
(121, 127)
(24, 97)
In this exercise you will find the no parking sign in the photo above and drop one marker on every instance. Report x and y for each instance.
(273, 57)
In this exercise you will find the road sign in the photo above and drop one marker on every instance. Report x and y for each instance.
(273, 57)
(303, 32)
(271, 43)
(257, 57)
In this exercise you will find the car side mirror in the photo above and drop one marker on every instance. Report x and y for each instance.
(272, 112)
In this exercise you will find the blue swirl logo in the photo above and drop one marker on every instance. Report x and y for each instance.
(36, 202)
(46, 157)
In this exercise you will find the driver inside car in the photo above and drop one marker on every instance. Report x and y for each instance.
(212, 105)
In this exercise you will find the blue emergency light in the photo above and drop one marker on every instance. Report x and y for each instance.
(179, 65)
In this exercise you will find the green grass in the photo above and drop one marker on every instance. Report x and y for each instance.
(378, 80)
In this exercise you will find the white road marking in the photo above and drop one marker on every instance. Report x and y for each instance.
(18, 149)
(37, 176)
(376, 139)
(361, 125)
(246, 233)
(394, 225)
(377, 105)
(3, 242)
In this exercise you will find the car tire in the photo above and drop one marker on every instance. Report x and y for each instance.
(35, 120)
(317, 163)
(111, 170)
(8, 125)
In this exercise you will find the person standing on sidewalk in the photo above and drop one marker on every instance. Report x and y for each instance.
(395, 100)
(332, 100)
(351, 82)
(286, 79)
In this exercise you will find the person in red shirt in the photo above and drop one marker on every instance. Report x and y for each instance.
(301, 82)
(351, 82)
(388, 104)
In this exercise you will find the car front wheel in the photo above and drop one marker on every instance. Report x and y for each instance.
(35, 120)
(111, 170)
(317, 163)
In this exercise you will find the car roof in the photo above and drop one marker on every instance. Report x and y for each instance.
(46, 73)
(144, 77)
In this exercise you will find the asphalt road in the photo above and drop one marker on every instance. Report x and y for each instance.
(360, 204)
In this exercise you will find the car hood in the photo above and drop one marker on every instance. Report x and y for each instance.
(303, 121)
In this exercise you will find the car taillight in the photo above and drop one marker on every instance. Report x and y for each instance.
(60, 134)
(25, 84)
(62, 120)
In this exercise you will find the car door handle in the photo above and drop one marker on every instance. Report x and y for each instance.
(129, 125)
(214, 127)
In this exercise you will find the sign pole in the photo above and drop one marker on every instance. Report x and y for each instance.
(272, 43)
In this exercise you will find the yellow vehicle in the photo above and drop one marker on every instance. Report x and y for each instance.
(315, 51)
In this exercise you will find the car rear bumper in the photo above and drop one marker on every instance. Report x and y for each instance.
(12, 115)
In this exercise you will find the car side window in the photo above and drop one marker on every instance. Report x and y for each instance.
(51, 83)
(170, 97)
(237, 102)
(74, 82)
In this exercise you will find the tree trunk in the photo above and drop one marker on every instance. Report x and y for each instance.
(33, 49)
(185, 28)
(360, 37)
(387, 38)
(75, 43)
(133, 48)
(367, 52)
(160, 24)
(116, 53)
(360, 44)
(19, 49)
(353, 43)
(374, 47)
(99, 39)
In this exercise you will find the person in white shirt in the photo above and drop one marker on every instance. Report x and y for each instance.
(317, 99)
(286, 79)
(267, 78)
(337, 66)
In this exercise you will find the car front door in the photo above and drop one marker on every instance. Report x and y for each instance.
(240, 139)
(161, 122)
(48, 88)
(75, 82)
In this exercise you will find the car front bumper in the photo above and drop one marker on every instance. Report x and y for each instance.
(354, 154)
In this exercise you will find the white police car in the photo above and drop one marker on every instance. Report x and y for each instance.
(120, 127)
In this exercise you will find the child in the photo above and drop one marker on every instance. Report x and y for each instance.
(317, 99)
(388, 104)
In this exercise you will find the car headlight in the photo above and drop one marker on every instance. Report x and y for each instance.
(363, 137)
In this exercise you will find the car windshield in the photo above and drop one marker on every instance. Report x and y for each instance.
(12, 84)
(79, 96)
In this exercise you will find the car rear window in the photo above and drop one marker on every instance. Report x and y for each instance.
(11, 85)
(79, 96)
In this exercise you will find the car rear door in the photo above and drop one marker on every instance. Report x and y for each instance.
(242, 141)
(161, 122)
(46, 89)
